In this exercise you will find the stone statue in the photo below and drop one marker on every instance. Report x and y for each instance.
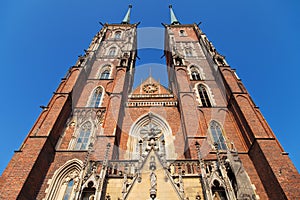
(124, 187)
(153, 179)
(172, 169)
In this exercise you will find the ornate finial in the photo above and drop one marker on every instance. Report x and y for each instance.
(216, 145)
(174, 20)
(198, 150)
(126, 19)
(141, 148)
(105, 162)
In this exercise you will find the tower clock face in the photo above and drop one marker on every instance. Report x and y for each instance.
(150, 88)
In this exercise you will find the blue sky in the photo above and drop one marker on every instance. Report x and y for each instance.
(40, 40)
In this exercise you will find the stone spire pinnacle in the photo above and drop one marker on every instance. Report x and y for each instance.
(126, 19)
(174, 20)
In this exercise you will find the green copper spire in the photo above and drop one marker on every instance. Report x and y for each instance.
(174, 20)
(126, 19)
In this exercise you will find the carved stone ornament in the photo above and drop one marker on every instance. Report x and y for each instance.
(150, 131)
(150, 88)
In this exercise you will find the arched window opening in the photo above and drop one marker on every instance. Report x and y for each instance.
(64, 182)
(83, 136)
(195, 75)
(146, 132)
(112, 51)
(188, 52)
(117, 34)
(68, 190)
(204, 96)
(178, 61)
(218, 191)
(150, 129)
(182, 33)
(123, 62)
(105, 74)
(217, 135)
(221, 61)
(96, 98)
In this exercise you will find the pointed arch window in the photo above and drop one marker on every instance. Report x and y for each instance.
(118, 35)
(68, 190)
(146, 129)
(96, 98)
(105, 74)
(83, 136)
(217, 135)
(195, 75)
(204, 97)
(112, 51)
(64, 181)
(188, 52)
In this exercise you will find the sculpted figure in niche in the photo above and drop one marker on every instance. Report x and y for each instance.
(153, 181)
(172, 169)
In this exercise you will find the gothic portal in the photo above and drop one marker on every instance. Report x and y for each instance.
(201, 137)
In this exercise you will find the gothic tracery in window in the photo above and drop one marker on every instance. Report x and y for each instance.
(188, 52)
(112, 51)
(96, 98)
(83, 136)
(204, 97)
(105, 74)
(148, 133)
(64, 182)
(150, 130)
(217, 135)
(68, 191)
(195, 75)
(117, 34)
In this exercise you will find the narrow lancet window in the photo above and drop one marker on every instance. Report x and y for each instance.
(195, 75)
(204, 97)
(68, 190)
(217, 135)
(112, 51)
(95, 100)
(105, 74)
(188, 52)
(84, 136)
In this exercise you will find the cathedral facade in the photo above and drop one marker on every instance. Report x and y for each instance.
(202, 137)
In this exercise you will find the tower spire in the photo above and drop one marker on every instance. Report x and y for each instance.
(174, 20)
(126, 19)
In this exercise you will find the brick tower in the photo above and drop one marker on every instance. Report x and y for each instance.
(202, 137)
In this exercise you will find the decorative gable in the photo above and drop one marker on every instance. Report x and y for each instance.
(151, 93)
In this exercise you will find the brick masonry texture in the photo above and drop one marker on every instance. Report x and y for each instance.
(47, 146)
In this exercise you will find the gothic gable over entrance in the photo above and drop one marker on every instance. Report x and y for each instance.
(154, 181)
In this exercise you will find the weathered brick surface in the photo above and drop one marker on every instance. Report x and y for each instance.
(45, 149)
